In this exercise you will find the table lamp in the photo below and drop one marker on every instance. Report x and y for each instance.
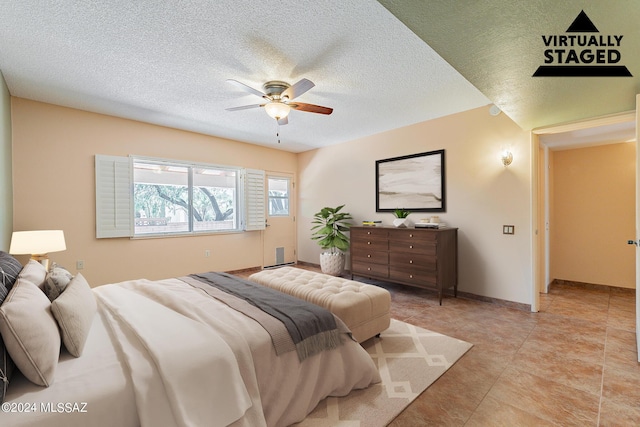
(38, 244)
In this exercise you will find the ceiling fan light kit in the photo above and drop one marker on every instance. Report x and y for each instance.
(279, 95)
(277, 109)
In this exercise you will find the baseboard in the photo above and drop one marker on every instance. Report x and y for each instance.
(496, 301)
(591, 286)
(271, 267)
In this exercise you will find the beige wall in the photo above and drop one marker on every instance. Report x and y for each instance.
(54, 188)
(594, 215)
(54, 150)
(482, 195)
(6, 185)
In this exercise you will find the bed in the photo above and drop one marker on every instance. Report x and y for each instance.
(173, 352)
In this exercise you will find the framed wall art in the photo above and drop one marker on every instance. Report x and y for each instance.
(415, 182)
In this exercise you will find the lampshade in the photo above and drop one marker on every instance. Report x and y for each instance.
(38, 242)
(277, 110)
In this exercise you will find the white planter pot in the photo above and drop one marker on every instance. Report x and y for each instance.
(400, 222)
(332, 263)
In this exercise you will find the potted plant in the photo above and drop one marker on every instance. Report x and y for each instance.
(401, 217)
(328, 230)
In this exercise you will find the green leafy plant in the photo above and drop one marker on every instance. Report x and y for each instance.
(329, 228)
(401, 213)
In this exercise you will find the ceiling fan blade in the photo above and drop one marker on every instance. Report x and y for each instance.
(311, 108)
(297, 89)
(248, 88)
(284, 121)
(245, 107)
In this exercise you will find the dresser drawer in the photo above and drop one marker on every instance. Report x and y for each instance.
(370, 244)
(369, 233)
(420, 278)
(408, 261)
(371, 257)
(363, 268)
(417, 247)
(410, 234)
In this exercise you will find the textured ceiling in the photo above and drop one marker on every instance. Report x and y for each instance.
(498, 45)
(167, 63)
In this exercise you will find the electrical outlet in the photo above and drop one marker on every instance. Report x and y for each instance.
(207, 252)
(80, 264)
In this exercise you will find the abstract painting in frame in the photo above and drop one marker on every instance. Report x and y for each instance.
(414, 182)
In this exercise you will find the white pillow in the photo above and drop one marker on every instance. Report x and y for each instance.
(74, 310)
(30, 332)
(33, 272)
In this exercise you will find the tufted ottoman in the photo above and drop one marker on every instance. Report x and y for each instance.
(363, 308)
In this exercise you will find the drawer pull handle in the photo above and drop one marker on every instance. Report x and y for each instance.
(411, 276)
(410, 235)
(368, 255)
(368, 243)
(368, 232)
(410, 246)
(410, 261)
(368, 268)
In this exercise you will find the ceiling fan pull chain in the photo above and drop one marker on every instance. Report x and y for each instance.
(278, 131)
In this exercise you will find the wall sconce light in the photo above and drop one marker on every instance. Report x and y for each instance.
(506, 158)
(38, 244)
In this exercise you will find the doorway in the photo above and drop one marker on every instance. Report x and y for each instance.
(564, 139)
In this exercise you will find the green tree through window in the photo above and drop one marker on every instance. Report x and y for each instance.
(179, 198)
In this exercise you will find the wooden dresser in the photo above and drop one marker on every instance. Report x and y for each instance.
(421, 257)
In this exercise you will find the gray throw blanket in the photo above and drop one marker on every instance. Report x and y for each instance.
(312, 328)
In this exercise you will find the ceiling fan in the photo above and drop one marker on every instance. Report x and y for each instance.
(279, 96)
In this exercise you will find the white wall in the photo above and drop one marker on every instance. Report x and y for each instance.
(482, 195)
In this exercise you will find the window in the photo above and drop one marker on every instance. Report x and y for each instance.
(278, 196)
(152, 197)
(183, 198)
(215, 199)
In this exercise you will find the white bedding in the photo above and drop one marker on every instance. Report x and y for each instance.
(184, 373)
(180, 345)
(98, 378)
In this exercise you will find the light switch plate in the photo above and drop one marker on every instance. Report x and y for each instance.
(508, 229)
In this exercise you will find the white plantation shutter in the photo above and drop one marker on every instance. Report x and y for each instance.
(254, 199)
(114, 198)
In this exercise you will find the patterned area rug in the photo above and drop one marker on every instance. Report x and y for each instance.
(409, 359)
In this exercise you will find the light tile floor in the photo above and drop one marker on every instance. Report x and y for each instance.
(574, 363)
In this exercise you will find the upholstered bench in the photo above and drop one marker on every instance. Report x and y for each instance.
(363, 308)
